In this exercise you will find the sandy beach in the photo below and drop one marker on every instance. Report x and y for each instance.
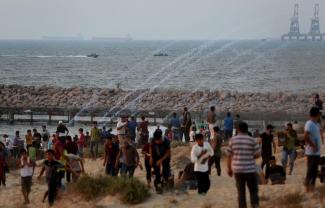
(222, 192)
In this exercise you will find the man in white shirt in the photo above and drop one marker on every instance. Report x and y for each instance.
(121, 128)
(200, 154)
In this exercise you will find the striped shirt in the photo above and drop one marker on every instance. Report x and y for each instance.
(243, 149)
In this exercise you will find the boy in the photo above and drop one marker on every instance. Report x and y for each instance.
(26, 166)
(53, 176)
(111, 152)
(75, 166)
(200, 154)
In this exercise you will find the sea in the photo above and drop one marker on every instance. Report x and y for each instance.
(235, 65)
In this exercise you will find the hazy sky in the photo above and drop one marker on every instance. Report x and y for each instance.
(153, 19)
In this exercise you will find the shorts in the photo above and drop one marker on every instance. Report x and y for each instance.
(26, 183)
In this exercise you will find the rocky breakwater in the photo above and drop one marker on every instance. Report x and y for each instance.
(166, 100)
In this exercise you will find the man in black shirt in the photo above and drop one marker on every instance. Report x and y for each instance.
(267, 143)
(275, 172)
(160, 158)
(63, 131)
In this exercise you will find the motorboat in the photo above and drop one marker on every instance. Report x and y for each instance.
(93, 55)
(160, 54)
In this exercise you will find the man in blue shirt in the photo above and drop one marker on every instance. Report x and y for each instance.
(312, 138)
(132, 126)
(175, 123)
(228, 123)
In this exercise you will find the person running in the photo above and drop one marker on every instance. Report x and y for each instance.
(242, 152)
(175, 125)
(95, 137)
(110, 156)
(63, 131)
(289, 148)
(71, 148)
(276, 173)
(143, 128)
(212, 119)
(313, 148)
(216, 144)
(146, 152)
(160, 157)
(3, 164)
(130, 157)
(81, 143)
(132, 127)
(187, 123)
(267, 143)
(45, 137)
(52, 168)
(26, 166)
(75, 166)
(228, 123)
(200, 155)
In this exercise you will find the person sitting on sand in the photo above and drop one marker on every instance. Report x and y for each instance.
(200, 155)
(53, 174)
(160, 160)
(130, 159)
(26, 166)
(110, 155)
(275, 173)
(187, 178)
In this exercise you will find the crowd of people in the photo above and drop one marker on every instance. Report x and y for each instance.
(62, 156)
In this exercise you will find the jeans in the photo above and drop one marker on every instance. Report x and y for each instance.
(94, 144)
(165, 172)
(203, 182)
(148, 169)
(284, 158)
(128, 170)
(216, 160)
(266, 161)
(312, 169)
(176, 134)
(187, 133)
(228, 134)
(250, 179)
(110, 169)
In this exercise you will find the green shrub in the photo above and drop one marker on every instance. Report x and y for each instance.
(130, 191)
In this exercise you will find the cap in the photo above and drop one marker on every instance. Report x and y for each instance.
(60, 122)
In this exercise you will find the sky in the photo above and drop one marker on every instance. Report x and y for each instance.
(153, 19)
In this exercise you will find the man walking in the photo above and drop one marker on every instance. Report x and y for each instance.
(313, 147)
(187, 122)
(242, 152)
(267, 143)
(211, 119)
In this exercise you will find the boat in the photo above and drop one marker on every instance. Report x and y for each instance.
(93, 55)
(160, 54)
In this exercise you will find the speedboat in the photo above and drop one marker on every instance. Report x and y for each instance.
(93, 55)
(160, 54)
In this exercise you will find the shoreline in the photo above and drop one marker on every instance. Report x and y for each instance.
(54, 98)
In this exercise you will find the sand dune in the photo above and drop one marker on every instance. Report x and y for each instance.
(222, 193)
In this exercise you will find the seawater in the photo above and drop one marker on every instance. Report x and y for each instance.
(241, 65)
